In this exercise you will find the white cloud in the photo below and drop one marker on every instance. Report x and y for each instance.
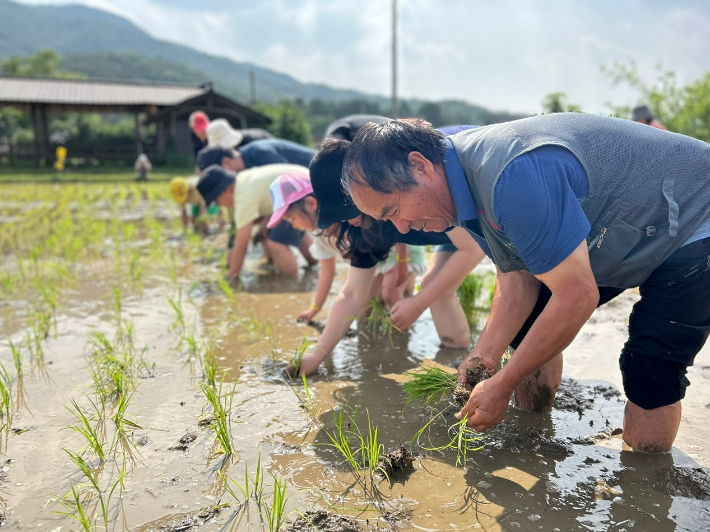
(502, 54)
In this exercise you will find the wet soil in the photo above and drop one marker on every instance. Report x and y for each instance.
(688, 482)
(323, 521)
(188, 522)
(519, 438)
(474, 375)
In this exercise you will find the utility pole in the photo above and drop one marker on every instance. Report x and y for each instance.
(252, 86)
(394, 111)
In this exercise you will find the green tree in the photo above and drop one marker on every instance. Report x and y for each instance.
(681, 108)
(288, 120)
(43, 64)
(556, 102)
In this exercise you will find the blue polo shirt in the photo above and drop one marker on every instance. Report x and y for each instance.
(275, 151)
(536, 201)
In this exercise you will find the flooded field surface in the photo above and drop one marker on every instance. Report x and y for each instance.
(140, 392)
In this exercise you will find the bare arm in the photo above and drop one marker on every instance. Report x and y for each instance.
(574, 297)
(466, 257)
(325, 281)
(239, 249)
(350, 302)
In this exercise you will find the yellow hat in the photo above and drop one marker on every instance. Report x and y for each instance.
(179, 189)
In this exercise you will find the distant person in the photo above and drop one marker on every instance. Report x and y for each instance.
(253, 134)
(221, 133)
(643, 115)
(347, 127)
(143, 167)
(198, 122)
(192, 207)
(249, 196)
(260, 153)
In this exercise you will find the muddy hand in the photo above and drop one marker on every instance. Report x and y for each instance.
(306, 315)
(404, 313)
(308, 365)
(473, 360)
(487, 405)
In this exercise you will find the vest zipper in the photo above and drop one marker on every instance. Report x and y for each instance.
(601, 237)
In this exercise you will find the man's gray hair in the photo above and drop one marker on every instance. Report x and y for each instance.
(379, 154)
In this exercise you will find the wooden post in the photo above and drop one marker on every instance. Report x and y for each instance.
(160, 137)
(36, 134)
(45, 134)
(139, 140)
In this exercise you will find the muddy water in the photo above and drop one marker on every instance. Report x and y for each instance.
(564, 471)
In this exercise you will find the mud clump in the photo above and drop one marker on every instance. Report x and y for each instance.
(322, 521)
(184, 443)
(573, 397)
(474, 375)
(528, 440)
(691, 482)
(396, 462)
(182, 522)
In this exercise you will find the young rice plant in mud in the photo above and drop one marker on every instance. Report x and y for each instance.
(428, 385)
(221, 404)
(474, 288)
(87, 502)
(275, 515)
(378, 320)
(462, 439)
(85, 428)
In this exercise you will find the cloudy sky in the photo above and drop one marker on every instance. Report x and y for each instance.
(504, 54)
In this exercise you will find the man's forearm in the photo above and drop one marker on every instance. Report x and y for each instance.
(551, 333)
(515, 296)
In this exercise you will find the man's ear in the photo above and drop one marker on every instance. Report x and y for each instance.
(419, 164)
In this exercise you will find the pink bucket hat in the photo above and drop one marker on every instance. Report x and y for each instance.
(286, 190)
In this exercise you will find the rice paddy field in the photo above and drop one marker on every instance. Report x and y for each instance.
(140, 391)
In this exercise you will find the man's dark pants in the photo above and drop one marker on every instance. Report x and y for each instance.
(668, 326)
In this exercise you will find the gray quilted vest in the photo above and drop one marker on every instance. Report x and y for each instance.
(649, 190)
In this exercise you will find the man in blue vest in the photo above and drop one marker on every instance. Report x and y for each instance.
(573, 209)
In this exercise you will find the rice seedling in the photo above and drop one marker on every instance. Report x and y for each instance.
(428, 385)
(16, 353)
(255, 327)
(340, 439)
(123, 426)
(77, 506)
(462, 439)
(5, 392)
(75, 510)
(222, 417)
(474, 288)
(371, 449)
(84, 428)
(295, 364)
(135, 269)
(253, 488)
(178, 312)
(275, 515)
(226, 288)
(7, 282)
(210, 368)
(378, 320)
(117, 302)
